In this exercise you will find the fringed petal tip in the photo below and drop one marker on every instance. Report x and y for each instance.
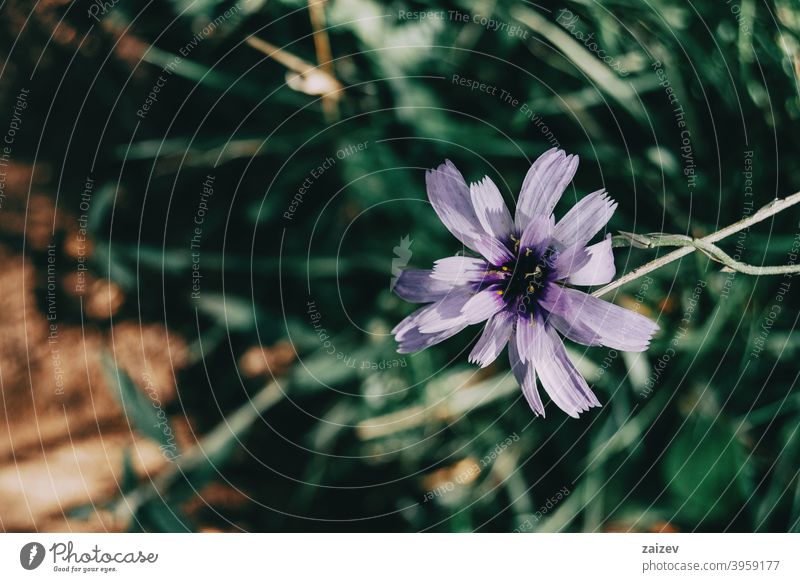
(493, 339)
(585, 219)
(544, 184)
(491, 210)
(561, 380)
(646, 336)
(588, 320)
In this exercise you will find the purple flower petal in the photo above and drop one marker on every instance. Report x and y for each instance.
(493, 340)
(572, 328)
(611, 325)
(409, 323)
(537, 234)
(562, 382)
(417, 286)
(411, 338)
(414, 340)
(524, 336)
(459, 270)
(445, 313)
(491, 210)
(450, 198)
(600, 269)
(570, 260)
(495, 251)
(585, 219)
(483, 305)
(526, 378)
(543, 186)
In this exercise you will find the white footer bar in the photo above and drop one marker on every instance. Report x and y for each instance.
(399, 557)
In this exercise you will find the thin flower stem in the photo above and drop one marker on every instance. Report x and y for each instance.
(732, 264)
(649, 241)
(706, 244)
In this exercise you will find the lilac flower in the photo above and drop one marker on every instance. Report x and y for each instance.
(521, 285)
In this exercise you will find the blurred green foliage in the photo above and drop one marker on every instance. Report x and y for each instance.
(712, 446)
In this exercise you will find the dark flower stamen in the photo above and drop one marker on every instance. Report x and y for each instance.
(526, 275)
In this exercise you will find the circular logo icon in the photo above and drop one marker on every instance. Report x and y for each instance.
(31, 555)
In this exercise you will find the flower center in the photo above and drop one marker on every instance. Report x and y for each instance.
(528, 275)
